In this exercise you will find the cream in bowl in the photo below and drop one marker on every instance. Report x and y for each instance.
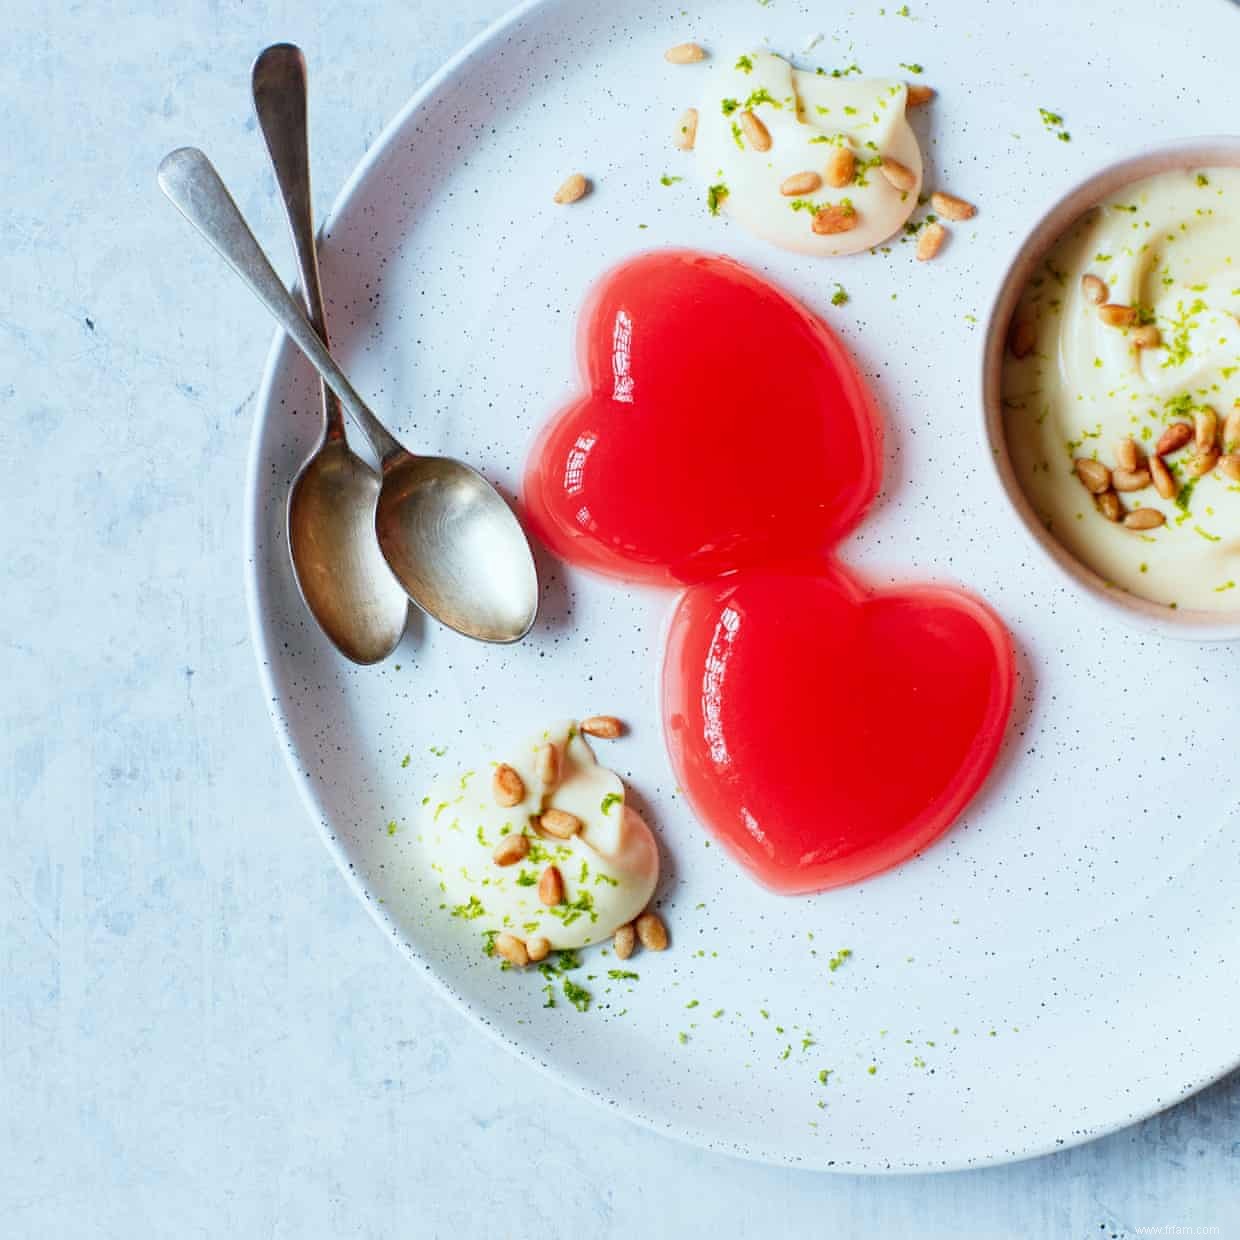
(1119, 387)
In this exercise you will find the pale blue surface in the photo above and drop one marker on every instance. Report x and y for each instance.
(201, 1031)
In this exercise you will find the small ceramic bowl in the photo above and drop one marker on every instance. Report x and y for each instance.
(1189, 154)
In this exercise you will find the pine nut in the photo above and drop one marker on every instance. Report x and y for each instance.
(757, 134)
(1173, 438)
(1205, 428)
(1109, 505)
(1095, 476)
(1231, 431)
(1130, 479)
(1127, 454)
(512, 949)
(1094, 288)
(1229, 465)
(607, 727)
(1164, 479)
(511, 849)
(1115, 315)
(560, 823)
(537, 948)
(547, 764)
(507, 786)
(834, 219)
(952, 208)
(624, 941)
(686, 130)
(551, 887)
(1022, 336)
(931, 241)
(685, 54)
(1144, 519)
(574, 188)
(800, 183)
(841, 167)
(1146, 337)
(652, 932)
(1201, 463)
(897, 174)
(918, 95)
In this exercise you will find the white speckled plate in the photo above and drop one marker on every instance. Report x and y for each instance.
(1064, 961)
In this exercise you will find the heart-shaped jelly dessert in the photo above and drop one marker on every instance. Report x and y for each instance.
(824, 733)
(722, 426)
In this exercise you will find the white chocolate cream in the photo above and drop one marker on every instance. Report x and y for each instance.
(1169, 247)
(806, 114)
(609, 869)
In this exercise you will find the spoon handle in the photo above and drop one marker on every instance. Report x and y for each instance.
(278, 84)
(191, 183)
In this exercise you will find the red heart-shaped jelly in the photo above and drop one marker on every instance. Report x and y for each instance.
(824, 733)
(723, 426)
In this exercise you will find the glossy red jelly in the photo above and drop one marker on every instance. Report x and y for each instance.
(721, 425)
(824, 733)
(726, 442)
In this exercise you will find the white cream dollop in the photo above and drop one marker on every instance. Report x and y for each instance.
(1169, 245)
(806, 114)
(609, 869)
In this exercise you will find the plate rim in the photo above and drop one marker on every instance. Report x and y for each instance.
(255, 534)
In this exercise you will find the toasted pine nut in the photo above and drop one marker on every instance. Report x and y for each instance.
(837, 218)
(551, 886)
(1127, 454)
(512, 949)
(757, 134)
(685, 54)
(537, 948)
(897, 174)
(1094, 474)
(686, 130)
(624, 941)
(1094, 288)
(1231, 430)
(547, 764)
(1146, 337)
(1115, 315)
(1164, 480)
(1173, 438)
(800, 183)
(511, 849)
(1230, 466)
(931, 241)
(1205, 428)
(607, 727)
(574, 187)
(560, 823)
(952, 208)
(918, 95)
(841, 167)
(1144, 519)
(652, 932)
(1109, 505)
(507, 786)
(1130, 479)
(1201, 463)
(1022, 336)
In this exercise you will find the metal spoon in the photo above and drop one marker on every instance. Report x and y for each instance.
(447, 534)
(343, 577)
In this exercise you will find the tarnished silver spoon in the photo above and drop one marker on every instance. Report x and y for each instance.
(342, 575)
(446, 533)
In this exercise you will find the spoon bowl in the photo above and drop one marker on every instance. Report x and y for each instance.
(455, 545)
(343, 577)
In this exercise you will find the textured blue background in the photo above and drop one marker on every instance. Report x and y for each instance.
(201, 1031)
